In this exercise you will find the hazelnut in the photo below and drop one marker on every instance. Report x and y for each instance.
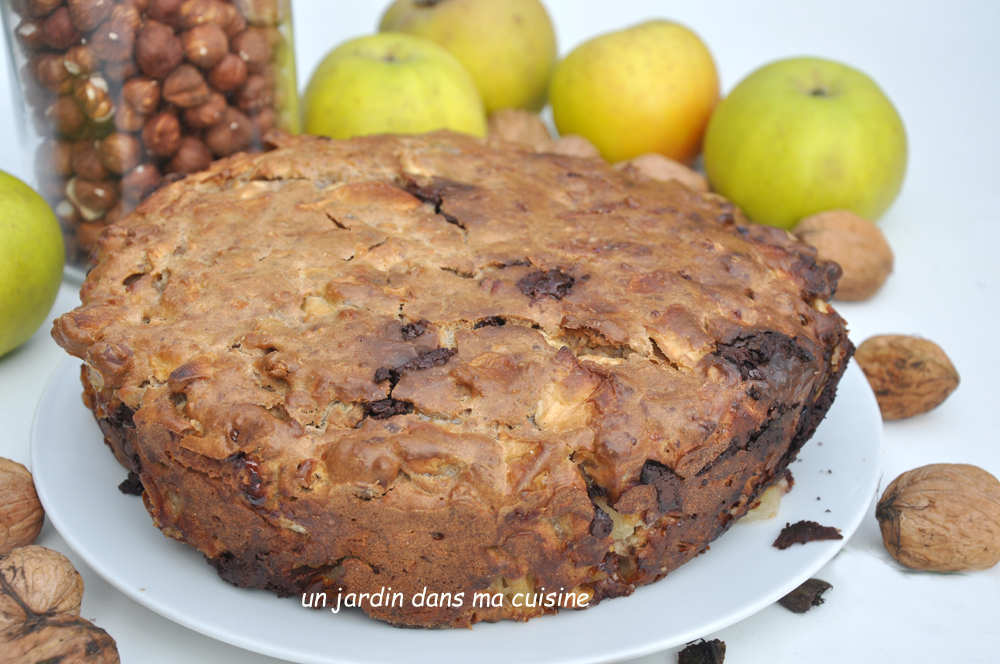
(265, 120)
(117, 211)
(205, 45)
(654, 166)
(58, 31)
(91, 93)
(54, 157)
(88, 14)
(51, 73)
(92, 198)
(66, 116)
(119, 153)
(158, 51)
(274, 37)
(120, 71)
(253, 95)
(261, 12)
(37, 581)
(85, 162)
(81, 60)
(162, 134)
(942, 517)
(185, 87)
(142, 94)
(127, 119)
(192, 156)
(136, 181)
(253, 47)
(518, 125)
(29, 33)
(67, 213)
(208, 114)
(41, 8)
(200, 12)
(114, 40)
(139, 5)
(909, 375)
(86, 235)
(229, 74)
(235, 132)
(165, 11)
(233, 22)
(856, 244)
(574, 145)
(21, 514)
(50, 187)
(128, 15)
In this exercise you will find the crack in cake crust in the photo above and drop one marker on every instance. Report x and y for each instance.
(426, 361)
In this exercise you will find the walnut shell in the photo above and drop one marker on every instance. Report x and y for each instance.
(856, 244)
(21, 514)
(909, 375)
(518, 125)
(942, 518)
(63, 639)
(37, 582)
(654, 166)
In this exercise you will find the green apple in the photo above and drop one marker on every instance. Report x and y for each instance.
(650, 88)
(31, 261)
(509, 46)
(805, 135)
(391, 83)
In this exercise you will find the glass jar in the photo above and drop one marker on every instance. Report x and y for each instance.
(118, 95)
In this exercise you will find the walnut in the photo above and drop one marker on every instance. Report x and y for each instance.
(654, 166)
(158, 51)
(40, 594)
(21, 514)
(517, 125)
(185, 87)
(205, 45)
(88, 14)
(943, 517)
(229, 74)
(856, 244)
(58, 31)
(909, 375)
(574, 145)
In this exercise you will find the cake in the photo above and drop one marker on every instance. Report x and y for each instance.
(450, 366)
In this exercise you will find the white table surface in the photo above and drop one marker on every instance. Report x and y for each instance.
(940, 64)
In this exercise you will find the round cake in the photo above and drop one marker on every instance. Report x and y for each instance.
(513, 381)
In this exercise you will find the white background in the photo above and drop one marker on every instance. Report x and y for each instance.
(940, 64)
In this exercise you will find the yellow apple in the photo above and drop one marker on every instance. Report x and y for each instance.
(509, 46)
(31, 261)
(391, 83)
(650, 88)
(805, 135)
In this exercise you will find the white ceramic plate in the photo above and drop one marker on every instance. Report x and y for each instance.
(77, 477)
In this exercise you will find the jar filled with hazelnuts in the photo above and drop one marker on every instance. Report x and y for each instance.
(120, 94)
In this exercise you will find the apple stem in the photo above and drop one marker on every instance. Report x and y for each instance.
(820, 92)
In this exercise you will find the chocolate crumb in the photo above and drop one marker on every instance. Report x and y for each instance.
(490, 321)
(383, 409)
(805, 531)
(413, 330)
(132, 486)
(553, 283)
(806, 596)
(703, 652)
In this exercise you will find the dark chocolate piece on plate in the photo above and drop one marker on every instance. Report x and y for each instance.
(132, 486)
(806, 596)
(703, 652)
(801, 532)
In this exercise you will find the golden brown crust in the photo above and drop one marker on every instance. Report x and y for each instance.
(425, 361)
